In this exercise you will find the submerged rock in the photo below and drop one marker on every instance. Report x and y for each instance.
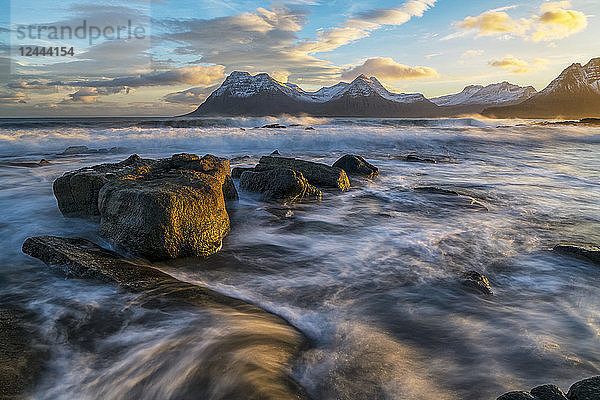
(587, 389)
(177, 214)
(478, 282)
(275, 153)
(356, 165)
(417, 159)
(317, 174)
(273, 126)
(80, 150)
(466, 200)
(254, 349)
(27, 164)
(586, 251)
(279, 184)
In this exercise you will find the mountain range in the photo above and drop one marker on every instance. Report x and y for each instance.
(574, 94)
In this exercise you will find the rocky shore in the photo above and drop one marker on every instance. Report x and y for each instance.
(161, 209)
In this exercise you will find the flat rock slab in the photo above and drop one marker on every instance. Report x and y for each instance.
(585, 251)
(317, 174)
(264, 347)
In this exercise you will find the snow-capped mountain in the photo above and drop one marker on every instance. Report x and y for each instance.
(499, 93)
(245, 94)
(575, 93)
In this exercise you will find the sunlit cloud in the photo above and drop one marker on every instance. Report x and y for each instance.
(388, 69)
(555, 22)
(517, 66)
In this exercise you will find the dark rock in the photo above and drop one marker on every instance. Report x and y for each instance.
(309, 128)
(77, 191)
(548, 392)
(274, 126)
(356, 165)
(317, 174)
(279, 184)
(275, 153)
(478, 282)
(464, 199)
(587, 389)
(236, 172)
(73, 150)
(28, 164)
(238, 159)
(585, 251)
(251, 334)
(22, 353)
(175, 214)
(418, 159)
(516, 396)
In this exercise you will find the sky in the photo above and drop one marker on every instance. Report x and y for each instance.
(164, 57)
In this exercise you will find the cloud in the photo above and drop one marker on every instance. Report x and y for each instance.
(555, 22)
(190, 96)
(257, 41)
(495, 22)
(9, 97)
(388, 69)
(85, 95)
(517, 66)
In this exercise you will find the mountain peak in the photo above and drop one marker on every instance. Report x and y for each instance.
(496, 93)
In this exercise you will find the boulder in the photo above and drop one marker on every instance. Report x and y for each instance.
(587, 389)
(475, 281)
(548, 392)
(174, 214)
(273, 126)
(586, 251)
(279, 184)
(356, 165)
(261, 345)
(317, 174)
(275, 153)
(516, 395)
(77, 191)
(72, 150)
(236, 172)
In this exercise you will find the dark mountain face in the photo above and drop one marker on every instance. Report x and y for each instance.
(260, 95)
(575, 93)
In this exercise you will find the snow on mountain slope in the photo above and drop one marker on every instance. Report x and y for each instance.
(576, 78)
(242, 84)
(497, 93)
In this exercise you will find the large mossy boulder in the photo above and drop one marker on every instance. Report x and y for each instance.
(356, 166)
(317, 174)
(158, 209)
(584, 251)
(587, 389)
(77, 191)
(279, 184)
(176, 214)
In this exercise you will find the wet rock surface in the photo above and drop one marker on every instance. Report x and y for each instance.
(260, 344)
(317, 174)
(479, 283)
(279, 184)
(584, 251)
(22, 353)
(356, 165)
(587, 389)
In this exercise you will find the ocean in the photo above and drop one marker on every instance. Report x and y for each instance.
(371, 276)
